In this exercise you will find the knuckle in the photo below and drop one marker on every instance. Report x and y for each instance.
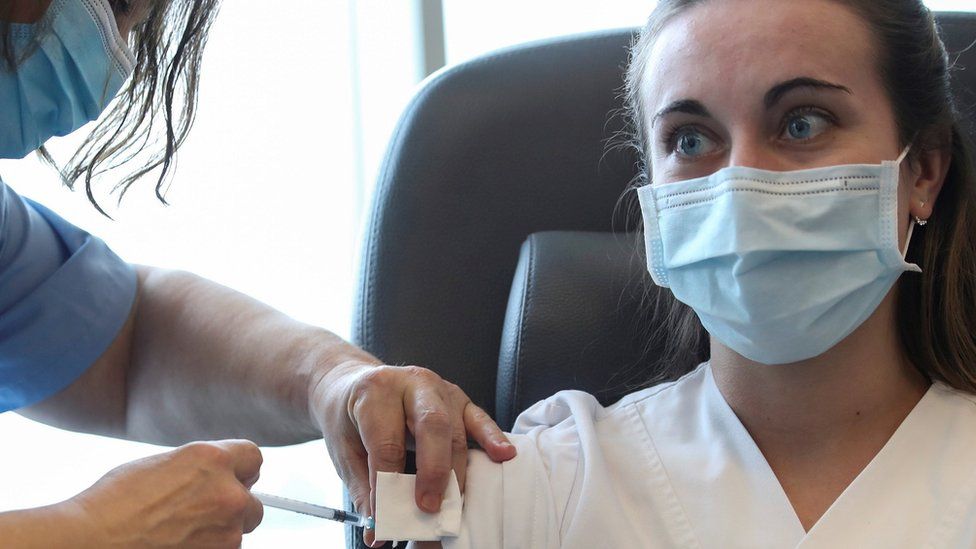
(359, 495)
(422, 374)
(252, 452)
(455, 391)
(255, 520)
(459, 441)
(478, 414)
(434, 419)
(233, 501)
(390, 451)
(380, 378)
(206, 451)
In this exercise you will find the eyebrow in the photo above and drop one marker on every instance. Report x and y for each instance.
(779, 90)
(687, 106)
(773, 96)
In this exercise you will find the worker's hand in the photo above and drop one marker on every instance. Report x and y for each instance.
(370, 415)
(193, 497)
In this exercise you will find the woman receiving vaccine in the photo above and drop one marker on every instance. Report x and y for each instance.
(809, 196)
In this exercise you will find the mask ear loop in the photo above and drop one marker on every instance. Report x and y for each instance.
(911, 222)
(908, 239)
(904, 153)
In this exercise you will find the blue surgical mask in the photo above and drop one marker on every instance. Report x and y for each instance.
(78, 66)
(779, 266)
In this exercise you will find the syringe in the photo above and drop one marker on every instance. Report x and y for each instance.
(295, 506)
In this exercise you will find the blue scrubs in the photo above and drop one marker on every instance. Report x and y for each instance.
(64, 296)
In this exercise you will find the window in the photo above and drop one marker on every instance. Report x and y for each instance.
(268, 199)
(472, 28)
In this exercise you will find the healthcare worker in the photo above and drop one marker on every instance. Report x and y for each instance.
(794, 151)
(91, 343)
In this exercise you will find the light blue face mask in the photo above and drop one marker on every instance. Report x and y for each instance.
(779, 266)
(77, 68)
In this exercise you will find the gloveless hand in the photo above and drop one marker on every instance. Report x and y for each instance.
(368, 414)
(196, 496)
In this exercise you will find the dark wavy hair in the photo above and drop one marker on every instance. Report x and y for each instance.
(936, 310)
(146, 125)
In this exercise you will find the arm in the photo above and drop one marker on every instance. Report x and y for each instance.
(51, 526)
(193, 497)
(197, 360)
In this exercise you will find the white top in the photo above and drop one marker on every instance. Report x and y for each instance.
(672, 466)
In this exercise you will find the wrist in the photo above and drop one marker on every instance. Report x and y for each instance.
(329, 390)
(59, 525)
(81, 525)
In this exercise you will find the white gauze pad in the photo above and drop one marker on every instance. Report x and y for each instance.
(399, 519)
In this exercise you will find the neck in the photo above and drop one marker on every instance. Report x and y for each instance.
(857, 393)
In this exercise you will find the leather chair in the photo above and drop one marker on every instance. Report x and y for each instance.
(507, 149)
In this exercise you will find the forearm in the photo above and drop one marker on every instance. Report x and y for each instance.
(209, 362)
(52, 526)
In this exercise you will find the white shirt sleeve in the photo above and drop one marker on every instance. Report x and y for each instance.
(523, 515)
(520, 503)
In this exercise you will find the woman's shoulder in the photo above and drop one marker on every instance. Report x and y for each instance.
(566, 409)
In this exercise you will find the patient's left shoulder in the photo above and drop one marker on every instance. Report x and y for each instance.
(559, 408)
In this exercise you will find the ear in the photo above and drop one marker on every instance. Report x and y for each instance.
(929, 170)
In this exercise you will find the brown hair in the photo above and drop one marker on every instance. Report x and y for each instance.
(937, 310)
(154, 112)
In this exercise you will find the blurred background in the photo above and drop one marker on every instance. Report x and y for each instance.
(272, 189)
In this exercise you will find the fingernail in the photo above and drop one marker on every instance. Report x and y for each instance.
(431, 503)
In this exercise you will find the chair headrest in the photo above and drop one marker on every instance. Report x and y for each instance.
(573, 320)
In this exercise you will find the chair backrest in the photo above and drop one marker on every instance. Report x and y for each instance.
(576, 320)
(487, 153)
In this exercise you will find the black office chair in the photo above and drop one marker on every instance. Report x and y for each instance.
(508, 149)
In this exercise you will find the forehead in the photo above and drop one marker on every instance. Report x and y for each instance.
(729, 52)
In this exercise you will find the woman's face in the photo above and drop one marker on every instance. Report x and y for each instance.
(766, 84)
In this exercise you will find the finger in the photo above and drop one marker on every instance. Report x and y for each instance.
(353, 468)
(253, 514)
(381, 428)
(429, 419)
(250, 482)
(483, 430)
(246, 459)
(354, 471)
(459, 437)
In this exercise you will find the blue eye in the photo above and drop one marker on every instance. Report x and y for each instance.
(691, 143)
(805, 126)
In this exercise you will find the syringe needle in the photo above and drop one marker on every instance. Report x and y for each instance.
(320, 511)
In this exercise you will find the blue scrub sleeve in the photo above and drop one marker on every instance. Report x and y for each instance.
(64, 296)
